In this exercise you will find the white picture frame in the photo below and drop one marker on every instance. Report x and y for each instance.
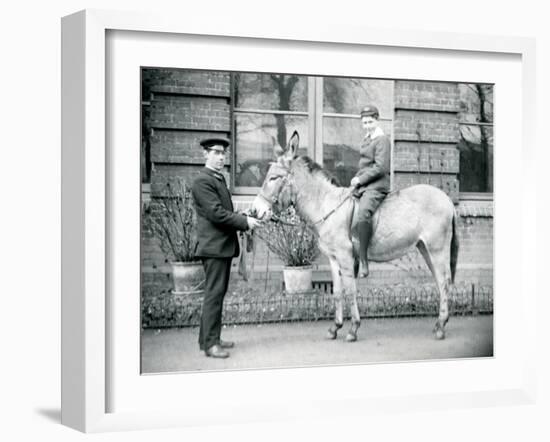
(87, 356)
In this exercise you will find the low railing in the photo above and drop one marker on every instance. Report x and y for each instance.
(169, 310)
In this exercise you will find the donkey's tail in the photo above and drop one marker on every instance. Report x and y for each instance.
(454, 248)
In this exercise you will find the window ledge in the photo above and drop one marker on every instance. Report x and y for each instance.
(482, 208)
(476, 196)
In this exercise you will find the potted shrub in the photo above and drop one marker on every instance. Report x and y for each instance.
(172, 220)
(296, 244)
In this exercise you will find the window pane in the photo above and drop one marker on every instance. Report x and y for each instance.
(341, 140)
(145, 144)
(271, 92)
(350, 95)
(476, 141)
(476, 102)
(255, 137)
(476, 158)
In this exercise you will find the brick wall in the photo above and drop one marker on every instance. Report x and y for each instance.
(187, 106)
(475, 261)
(426, 134)
(183, 107)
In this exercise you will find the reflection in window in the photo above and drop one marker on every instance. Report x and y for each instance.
(270, 92)
(256, 136)
(476, 138)
(343, 99)
(350, 95)
(341, 138)
(146, 79)
(476, 158)
(268, 108)
(341, 141)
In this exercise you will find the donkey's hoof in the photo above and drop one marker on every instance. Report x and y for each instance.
(439, 334)
(331, 334)
(351, 337)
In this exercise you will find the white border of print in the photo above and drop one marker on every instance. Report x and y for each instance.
(101, 386)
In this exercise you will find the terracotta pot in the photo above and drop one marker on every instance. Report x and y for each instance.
(187, 277)
(297, 279)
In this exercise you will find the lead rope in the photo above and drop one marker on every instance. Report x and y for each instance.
(243, 271)
(324, 218)
(276, 219)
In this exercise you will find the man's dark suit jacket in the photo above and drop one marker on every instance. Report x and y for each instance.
(217, 224)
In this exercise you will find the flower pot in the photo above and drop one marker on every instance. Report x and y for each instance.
(187, 277)
(297, 279)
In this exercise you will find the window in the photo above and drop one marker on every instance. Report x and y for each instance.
(324, 111)
(343, 98)
(145, 127)
(266, 108)
(476, 139)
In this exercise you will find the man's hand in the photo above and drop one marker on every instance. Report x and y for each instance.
(355, 182)
(253, 222)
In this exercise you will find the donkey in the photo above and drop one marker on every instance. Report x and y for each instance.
(419, 216)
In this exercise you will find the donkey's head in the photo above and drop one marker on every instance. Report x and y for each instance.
(277, 192)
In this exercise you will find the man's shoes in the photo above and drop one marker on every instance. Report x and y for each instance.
(226, 344)
(216, 351)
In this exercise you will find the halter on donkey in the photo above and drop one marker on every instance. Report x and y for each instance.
(419, 216)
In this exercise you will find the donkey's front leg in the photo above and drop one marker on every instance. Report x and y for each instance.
(332, 332)
(350, 286)
(338, 307)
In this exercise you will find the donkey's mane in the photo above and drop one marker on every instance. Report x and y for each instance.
(315, 168)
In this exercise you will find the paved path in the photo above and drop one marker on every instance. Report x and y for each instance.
(304, 344)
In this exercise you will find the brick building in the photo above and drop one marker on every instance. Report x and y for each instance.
(441, 133)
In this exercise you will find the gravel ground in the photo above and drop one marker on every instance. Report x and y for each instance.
(304, 344)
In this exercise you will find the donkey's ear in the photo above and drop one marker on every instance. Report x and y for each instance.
(292, 146)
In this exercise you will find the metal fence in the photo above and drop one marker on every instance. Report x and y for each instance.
(169, 310)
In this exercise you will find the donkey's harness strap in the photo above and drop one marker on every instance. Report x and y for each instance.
(324, 218)
(276, 219)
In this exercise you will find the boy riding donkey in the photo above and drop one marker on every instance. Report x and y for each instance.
(372, 181)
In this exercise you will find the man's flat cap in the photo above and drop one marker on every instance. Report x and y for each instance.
(370, 111)
(207, 143)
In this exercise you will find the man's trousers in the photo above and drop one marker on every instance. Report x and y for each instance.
(217, 271)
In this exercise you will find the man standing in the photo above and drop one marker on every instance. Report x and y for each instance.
(217, 242)
(373, 178)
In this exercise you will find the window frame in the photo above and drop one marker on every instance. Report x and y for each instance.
(315, 114)
(246, 191)
(473, 196)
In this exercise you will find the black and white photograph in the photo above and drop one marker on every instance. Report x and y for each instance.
(292, 220)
